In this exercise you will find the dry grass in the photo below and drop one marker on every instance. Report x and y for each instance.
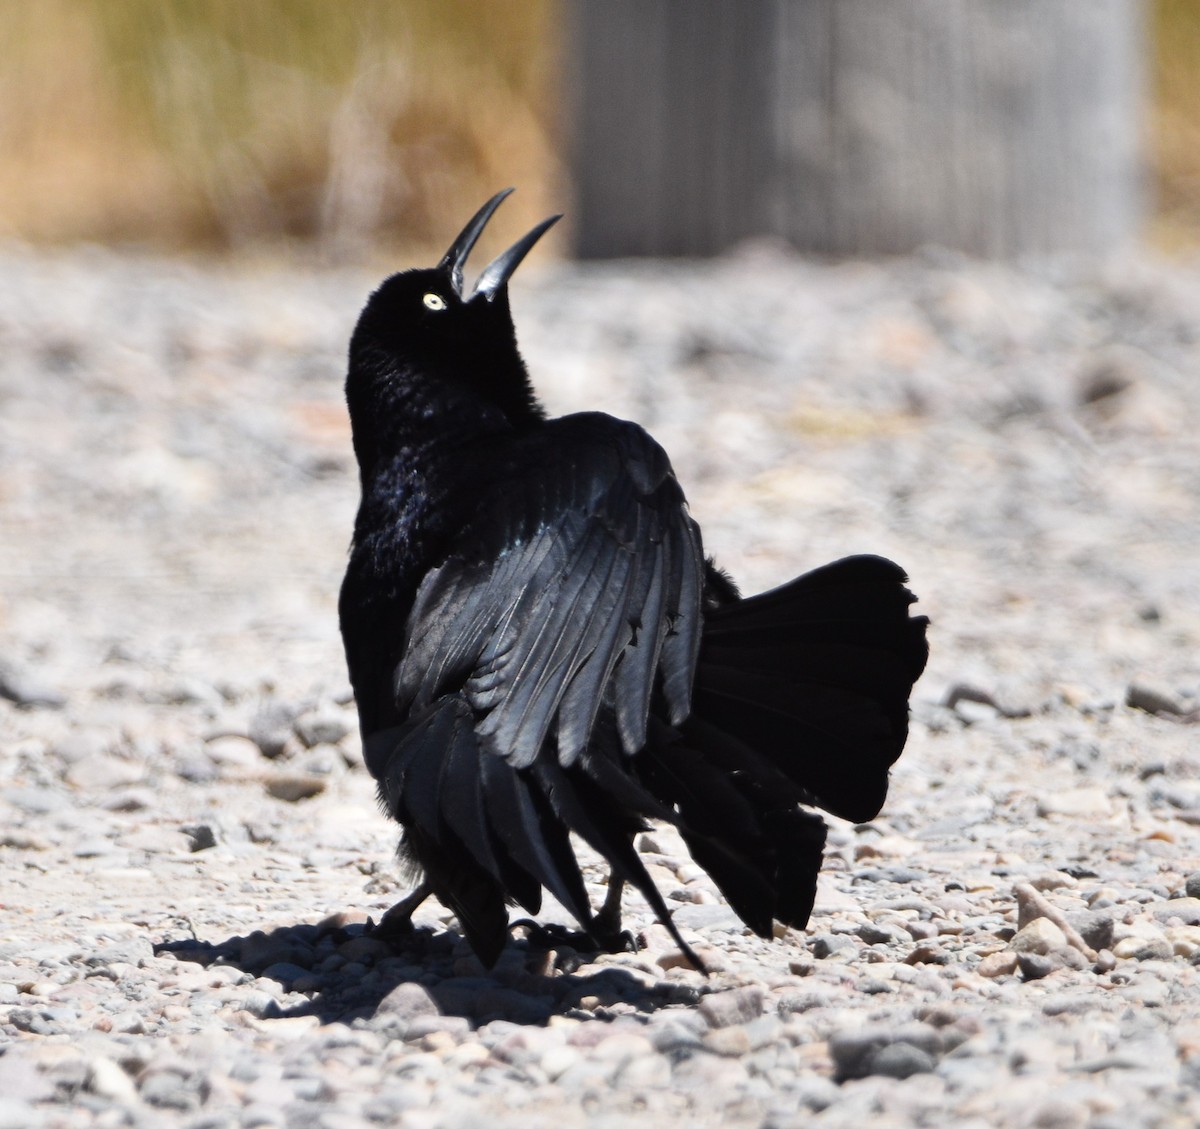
(226, 123)
(1175, 122)
(355, 125)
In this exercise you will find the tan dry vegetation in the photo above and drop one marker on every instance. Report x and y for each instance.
(220, 124)
(1175, 122)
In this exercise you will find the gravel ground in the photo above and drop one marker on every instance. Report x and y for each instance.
(190, 846)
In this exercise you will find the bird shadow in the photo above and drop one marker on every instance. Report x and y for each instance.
(527, 986)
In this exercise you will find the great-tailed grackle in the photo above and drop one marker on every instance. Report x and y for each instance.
(538, 645)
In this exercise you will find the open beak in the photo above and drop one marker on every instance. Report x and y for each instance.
(501, 268)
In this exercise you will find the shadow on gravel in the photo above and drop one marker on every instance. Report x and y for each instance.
(350, 975)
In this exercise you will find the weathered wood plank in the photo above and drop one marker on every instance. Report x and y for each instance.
(856, 126)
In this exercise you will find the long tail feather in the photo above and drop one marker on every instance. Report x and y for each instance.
(816, 676)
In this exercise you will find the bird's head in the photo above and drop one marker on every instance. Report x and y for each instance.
(421, 339)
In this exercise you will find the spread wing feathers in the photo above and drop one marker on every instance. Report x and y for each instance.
(484, 833)
(487, 832)
(815, 675)
(577, 582)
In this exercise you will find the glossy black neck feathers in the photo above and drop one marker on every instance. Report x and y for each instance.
(428, 369)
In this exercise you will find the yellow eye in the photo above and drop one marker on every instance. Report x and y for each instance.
(434, 302)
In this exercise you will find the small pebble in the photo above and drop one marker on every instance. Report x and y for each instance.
(292, 788)
(725, 1009)
(1153, 697)
(998, 964)
(1040, 936)
(1035, 966)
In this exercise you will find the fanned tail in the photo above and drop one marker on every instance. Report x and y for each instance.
(800, 697)
(815, 676)
(739, 817)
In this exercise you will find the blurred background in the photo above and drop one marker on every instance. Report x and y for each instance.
(371, 129)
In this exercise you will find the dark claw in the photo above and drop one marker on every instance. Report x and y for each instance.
(396, 925)
(557, 937)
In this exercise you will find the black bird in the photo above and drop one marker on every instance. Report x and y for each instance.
(538, 645)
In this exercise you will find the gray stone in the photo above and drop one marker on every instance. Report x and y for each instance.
(1075, 802)
(825, 945)
(259, 950)
(675, 1038)
(899, 874)
(80, 744)
(1153, 697)
(875, 934)
(1035, 966)
(1068, 1005)
(513, 1006)
(1187, 910)
(763, 1031)
(1182, 794)
(173, 1089)
(285, 972)
(323, 727)
(726, 1009)
(365, 950)
(710, 918)
(901, 1060)
(814, 1093)
(1094, 926)
(406, 1002)
(294, 787)
(200, 836)
(271, 726)
(261, 1005)
(1143, 948)
(730, 1042)
(26, 690)
(457, 1026)
(856, 1053)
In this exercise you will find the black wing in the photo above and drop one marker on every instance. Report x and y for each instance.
(576, 582)
(571, 595)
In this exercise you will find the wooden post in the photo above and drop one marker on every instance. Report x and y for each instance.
(856, 126)
(670, 128)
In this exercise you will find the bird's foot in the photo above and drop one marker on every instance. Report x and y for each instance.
(574, 945)
(396, 925)
(614, 940)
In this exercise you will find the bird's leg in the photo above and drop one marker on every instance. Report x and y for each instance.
(608, 920)
(397, 922)
(604, 933)
(607, 923)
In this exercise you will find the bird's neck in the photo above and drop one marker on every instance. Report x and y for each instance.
(415, 417)
(417, 426)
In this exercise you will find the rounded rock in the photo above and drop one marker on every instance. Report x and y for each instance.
(726, 1009)
(1040, 936)
(901, 1060)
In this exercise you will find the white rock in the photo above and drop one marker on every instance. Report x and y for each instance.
(106, 1078)
(1075, 801)
(1040, 936)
